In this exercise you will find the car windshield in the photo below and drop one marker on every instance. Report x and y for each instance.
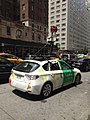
(78, 59)
(26, 66)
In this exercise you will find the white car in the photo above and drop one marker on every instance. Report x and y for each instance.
(42, 77)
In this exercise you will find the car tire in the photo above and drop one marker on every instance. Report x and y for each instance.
(77, 79)
(46, 90)
(86, 68)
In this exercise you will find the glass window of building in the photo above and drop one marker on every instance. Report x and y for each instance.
(58, 7)
(63, 0)
(52, 17)
(52, 3)
(23, 6)
(58, 11)
(64, 5)
(52, 12)
(63, 9)
(57, 1)
(32, 36)
(57, 16)
(52, 22)
(8, 30)
(23, 16)
(52, 8)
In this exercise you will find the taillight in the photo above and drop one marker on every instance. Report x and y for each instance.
(80, 63)
(9, 80)
(32, 77)
(69, 61)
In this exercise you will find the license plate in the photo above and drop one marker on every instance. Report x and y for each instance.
(19, 77)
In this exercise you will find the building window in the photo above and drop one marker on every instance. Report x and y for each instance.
(18, 33)
(63, 9)
(63, 34)
(8, 30)
(64, 5)
(63, 29)
(64, 24)
(52, 22)
(52, 3)
(58, 11)
(40, 28)
(63, 0)
(39, 37)
(23, 15)
(26, 34)
(44, 29)
(52, 8)
(57, 16)
(45, 37)
(52, 17)
(24, 24)
(23, 6)
(52, 12)
(58, 2)
(58, 7)
(32, 36)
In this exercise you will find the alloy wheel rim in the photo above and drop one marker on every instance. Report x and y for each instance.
(47, 90)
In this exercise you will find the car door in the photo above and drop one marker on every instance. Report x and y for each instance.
(5, 68)
(56, 74)
(68, 74)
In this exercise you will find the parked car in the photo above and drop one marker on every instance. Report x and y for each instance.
(11, 57)
(42, 77)
(81, 63)
(5, 68)
(68, 57)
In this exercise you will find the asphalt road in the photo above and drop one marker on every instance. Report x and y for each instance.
(69, 103)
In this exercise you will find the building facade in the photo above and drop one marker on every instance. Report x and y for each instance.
(17, 39)
(8, 10)
(34, 14)
(72, 19)
(23, 26)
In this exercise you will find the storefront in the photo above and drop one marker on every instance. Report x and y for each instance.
(22, 48)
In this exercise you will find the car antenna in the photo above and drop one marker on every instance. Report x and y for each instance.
(42, 55)
(40, 49)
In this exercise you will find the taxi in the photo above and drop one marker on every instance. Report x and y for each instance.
(11, 57)
(43, 77)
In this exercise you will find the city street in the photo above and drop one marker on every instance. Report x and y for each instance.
(70, 103)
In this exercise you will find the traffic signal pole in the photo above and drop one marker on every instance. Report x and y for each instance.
(51, 43)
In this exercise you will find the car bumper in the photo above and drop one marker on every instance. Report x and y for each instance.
(25, 86)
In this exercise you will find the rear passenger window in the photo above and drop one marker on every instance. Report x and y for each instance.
(54, 66)
(46, 67)
(51, 66)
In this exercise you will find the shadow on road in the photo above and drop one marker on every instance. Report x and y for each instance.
(38, 97)
(3, 81)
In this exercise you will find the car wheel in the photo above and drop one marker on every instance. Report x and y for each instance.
(77, 79)
(46, 90)
(86, 68)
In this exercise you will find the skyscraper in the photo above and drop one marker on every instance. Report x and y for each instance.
(72, 19)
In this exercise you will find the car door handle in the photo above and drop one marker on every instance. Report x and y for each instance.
(52, 75)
